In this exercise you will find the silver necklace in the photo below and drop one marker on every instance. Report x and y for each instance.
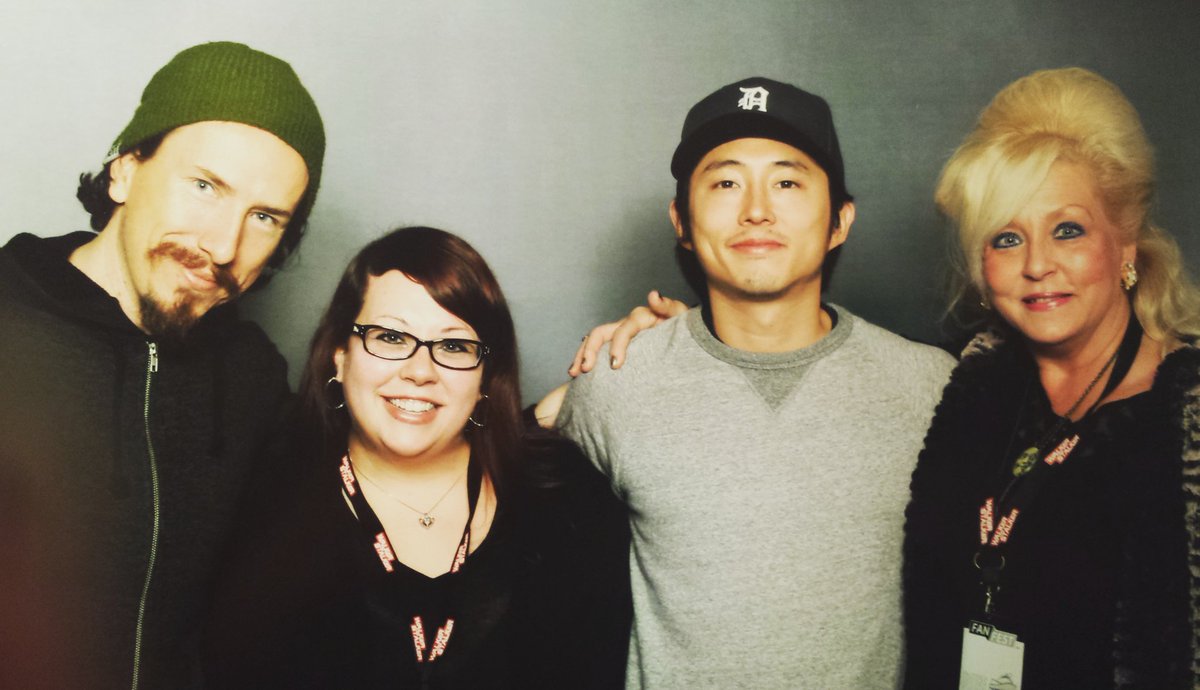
(426, 518)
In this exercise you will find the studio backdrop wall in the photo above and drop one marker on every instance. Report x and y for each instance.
(541, 130)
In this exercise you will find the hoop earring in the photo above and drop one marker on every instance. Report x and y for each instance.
(328, 402)
(471, 419)
(1129, 276)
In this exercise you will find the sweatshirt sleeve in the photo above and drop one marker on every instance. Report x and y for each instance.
(587, 416)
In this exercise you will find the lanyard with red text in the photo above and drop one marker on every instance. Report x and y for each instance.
(998, 516)
(379, 542)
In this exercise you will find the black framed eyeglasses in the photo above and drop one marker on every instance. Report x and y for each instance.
(451, 353)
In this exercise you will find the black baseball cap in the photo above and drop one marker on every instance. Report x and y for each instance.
(761, 108)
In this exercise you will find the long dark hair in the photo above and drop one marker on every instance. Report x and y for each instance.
(459, 280)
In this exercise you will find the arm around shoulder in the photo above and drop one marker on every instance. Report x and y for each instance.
(546, 410)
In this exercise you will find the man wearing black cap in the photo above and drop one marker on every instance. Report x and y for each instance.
(134, 400)
(764, 440)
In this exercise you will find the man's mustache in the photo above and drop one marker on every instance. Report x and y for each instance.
(195, 260)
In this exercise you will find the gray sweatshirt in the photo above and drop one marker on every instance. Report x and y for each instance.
(766, 496)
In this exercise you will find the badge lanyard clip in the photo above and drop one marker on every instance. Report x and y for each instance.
(989, 576)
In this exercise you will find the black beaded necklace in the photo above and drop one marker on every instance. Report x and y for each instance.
(1122, 358)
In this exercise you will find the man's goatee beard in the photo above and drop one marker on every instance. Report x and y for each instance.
(170, 324)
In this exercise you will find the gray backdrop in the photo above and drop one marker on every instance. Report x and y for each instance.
(541, 131)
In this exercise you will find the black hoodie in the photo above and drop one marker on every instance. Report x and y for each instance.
(121, 461)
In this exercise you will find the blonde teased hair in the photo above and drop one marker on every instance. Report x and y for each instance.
(1074, 115)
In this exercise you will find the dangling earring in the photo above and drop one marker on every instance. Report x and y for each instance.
(1129, 276)
(471, 419)
(984, 302)
(342, 394)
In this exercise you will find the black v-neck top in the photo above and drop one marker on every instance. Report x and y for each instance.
(543, 601)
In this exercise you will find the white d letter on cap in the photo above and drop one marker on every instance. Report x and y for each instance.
(753, 98)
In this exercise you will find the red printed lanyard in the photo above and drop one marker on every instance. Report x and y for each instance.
(998, 516)
(382, 546)
(995, 533)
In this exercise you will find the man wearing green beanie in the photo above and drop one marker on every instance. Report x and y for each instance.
(135, 401)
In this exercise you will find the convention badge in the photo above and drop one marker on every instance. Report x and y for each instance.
(991, 658)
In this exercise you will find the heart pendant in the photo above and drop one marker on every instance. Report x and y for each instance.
(426, 520)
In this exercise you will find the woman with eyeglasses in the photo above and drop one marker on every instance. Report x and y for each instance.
(425, 539)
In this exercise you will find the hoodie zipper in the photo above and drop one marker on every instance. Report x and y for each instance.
(151, 369)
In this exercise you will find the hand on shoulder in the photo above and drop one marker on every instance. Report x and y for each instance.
(618, 334)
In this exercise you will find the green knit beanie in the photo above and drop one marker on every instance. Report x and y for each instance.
(231, 82)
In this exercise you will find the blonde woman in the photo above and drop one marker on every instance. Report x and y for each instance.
(1053, 516)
